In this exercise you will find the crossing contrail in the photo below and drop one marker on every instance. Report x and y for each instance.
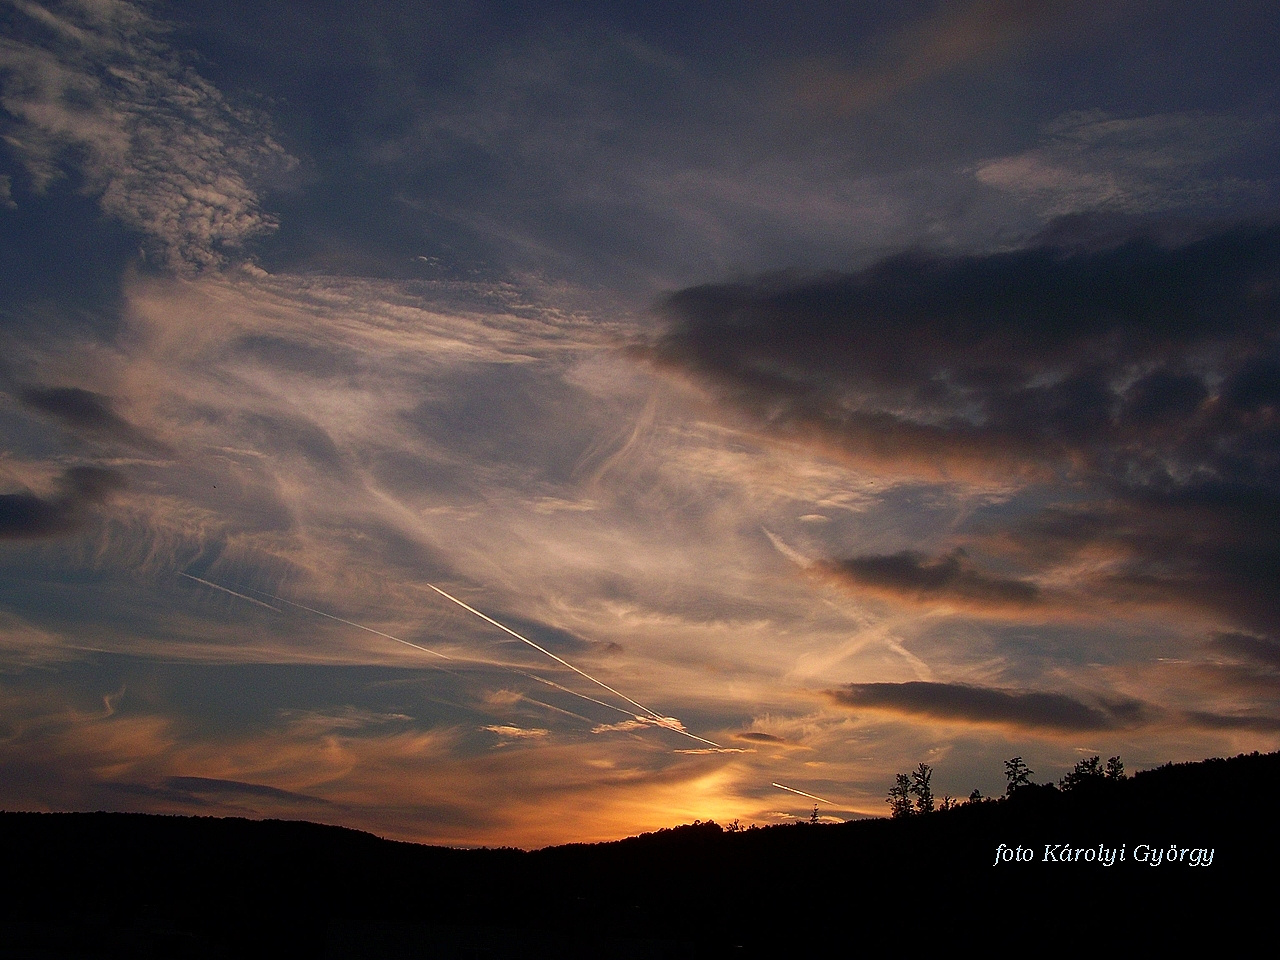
(783, 786)
(670, 723)
(493, 663)
(648, 717)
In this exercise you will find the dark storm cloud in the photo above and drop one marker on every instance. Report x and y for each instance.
(90, 414)
(973, 330)
(912, 575)
(1143, 374)
(984, 705)
(27, 516)
(1034, 360)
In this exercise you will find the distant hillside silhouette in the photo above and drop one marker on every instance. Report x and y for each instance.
(126, 885)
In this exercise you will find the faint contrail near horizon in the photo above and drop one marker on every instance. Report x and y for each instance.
(783, 786)
(670, 723)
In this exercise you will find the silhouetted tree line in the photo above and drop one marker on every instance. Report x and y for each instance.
(912, 793)
(106, 886)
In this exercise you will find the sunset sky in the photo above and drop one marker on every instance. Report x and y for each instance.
(852, 385)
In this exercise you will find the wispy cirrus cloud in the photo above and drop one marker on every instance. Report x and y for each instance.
(508, 733)
(961, 35)
(93, 88)
(1090, 161)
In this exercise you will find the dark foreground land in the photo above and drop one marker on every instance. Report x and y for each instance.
(124, 885)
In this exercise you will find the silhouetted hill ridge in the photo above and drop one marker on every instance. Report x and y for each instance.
(105, 884)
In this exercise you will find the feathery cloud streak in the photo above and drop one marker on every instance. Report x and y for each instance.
(96, 85)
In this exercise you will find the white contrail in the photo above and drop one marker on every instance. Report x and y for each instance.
(554, 709)
(795, 556)
(358, 626)
(541, 649)
(673, 723)
(783, 786)
(669, 723)
(652, 718)
(232, 592)
(562, 689)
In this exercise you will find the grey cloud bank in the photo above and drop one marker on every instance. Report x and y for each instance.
(961, 702)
